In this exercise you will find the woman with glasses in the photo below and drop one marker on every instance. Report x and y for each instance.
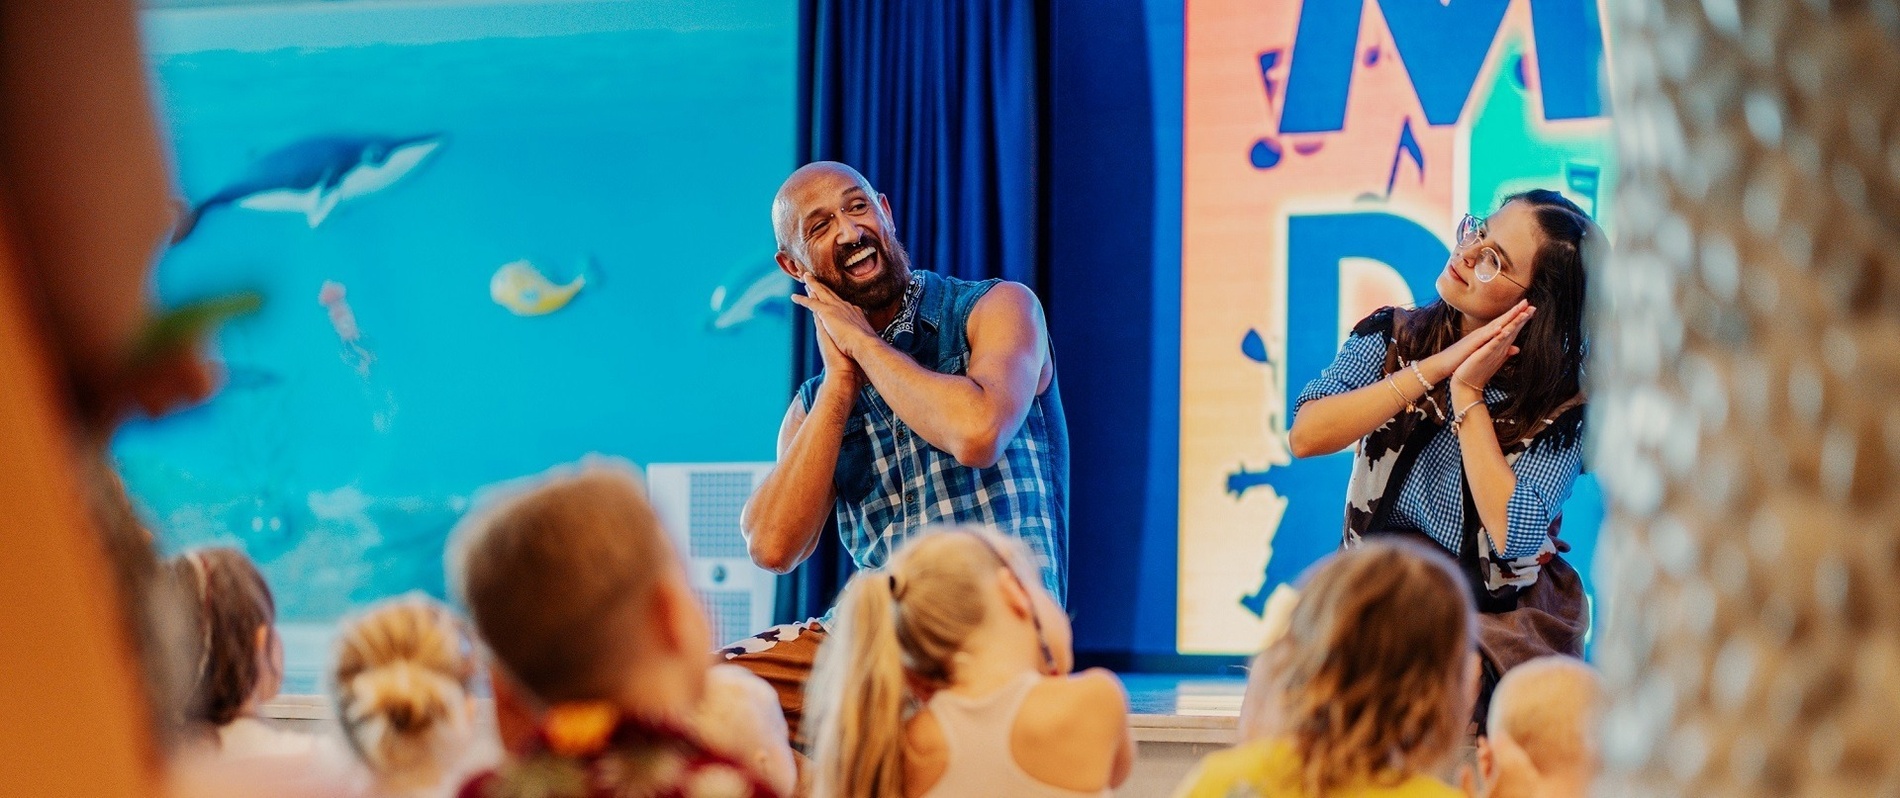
(1468, 413)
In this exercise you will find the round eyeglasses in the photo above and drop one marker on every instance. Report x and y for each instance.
(1491, 261)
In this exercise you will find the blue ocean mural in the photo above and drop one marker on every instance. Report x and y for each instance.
(491, 237)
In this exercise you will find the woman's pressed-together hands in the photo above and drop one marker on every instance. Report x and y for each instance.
(1474, 359)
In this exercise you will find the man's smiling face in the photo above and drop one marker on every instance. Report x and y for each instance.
(839, 228)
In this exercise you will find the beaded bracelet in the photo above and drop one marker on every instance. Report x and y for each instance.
(1458, 418)
(1427, 398)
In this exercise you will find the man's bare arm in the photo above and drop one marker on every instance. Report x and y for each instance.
(973, 415)
(786, 514)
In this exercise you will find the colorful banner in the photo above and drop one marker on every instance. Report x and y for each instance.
(1329, 148)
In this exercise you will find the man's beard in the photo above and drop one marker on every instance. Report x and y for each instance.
(892, 280)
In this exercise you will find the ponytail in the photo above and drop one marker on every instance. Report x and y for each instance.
(895, 626)
(860, 732)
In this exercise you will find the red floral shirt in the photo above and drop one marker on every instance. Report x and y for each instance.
(595, 754)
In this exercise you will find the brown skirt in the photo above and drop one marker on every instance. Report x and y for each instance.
(1551, 617)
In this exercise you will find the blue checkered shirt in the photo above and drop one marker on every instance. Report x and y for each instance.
(1432, 498)
(891, 482)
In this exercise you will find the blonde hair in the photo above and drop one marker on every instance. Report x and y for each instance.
(1369, 683)
(557, 579)
(402, 680)
(1548, 707)
(906, 621)
(739, 716)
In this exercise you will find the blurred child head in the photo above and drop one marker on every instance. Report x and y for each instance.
(1542, 727)
(237, 658)
(907, 625)
(1374, 677)
(1257, 705)
(740, 717)
(402, 687)
(579, 596)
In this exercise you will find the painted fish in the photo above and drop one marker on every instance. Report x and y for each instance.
(313, 177)
(525, 291)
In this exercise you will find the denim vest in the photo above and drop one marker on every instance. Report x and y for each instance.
(891, 482)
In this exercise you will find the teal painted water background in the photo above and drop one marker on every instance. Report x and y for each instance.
(641, 137)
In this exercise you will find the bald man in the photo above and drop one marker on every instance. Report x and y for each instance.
(1543, 731)
(937, 404)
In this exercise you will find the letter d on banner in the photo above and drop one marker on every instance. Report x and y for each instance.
(1315, 246)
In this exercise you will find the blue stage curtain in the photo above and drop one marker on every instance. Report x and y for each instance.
(937, 103)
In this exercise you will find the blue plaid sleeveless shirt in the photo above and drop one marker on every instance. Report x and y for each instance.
(891, 482)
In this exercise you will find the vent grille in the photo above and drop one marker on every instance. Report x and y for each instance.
(731, 613)
(712, 523)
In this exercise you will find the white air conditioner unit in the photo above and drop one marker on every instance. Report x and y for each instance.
(700, 504)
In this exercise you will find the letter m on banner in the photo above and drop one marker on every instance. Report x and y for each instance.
(1443, 45)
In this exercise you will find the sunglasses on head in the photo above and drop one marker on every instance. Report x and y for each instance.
(1035, 618)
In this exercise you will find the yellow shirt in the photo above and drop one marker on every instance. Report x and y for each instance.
(1268, 769)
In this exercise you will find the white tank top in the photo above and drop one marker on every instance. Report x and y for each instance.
(976, 732)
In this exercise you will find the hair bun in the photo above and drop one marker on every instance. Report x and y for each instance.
(409, 699)
(402, 680)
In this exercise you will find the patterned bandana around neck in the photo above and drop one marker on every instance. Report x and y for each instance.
(906, 320)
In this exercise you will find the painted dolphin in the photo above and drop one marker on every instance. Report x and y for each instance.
(312, 177)
(749, 292)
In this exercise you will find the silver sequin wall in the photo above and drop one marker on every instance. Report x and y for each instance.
(1745, 385)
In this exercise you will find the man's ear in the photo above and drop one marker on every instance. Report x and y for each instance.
(890, 221)
(790, 265)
